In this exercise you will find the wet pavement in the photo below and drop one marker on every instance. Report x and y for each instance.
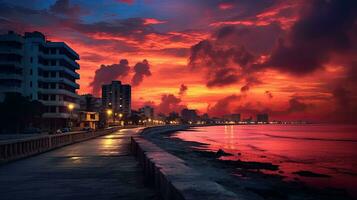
(101, 168)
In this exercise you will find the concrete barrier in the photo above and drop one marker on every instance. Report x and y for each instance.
(170, 175)
(21, 148)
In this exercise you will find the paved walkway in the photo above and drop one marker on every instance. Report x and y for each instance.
(101, 168)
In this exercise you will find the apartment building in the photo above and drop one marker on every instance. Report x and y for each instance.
(41, 70)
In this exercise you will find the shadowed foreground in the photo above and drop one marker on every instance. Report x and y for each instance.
(101, 168)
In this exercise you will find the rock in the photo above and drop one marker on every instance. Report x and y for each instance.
(220, 153)
(311, 174)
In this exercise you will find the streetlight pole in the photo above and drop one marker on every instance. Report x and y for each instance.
(70, 108)
(109, 113)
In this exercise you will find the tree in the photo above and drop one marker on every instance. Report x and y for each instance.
(18, 113)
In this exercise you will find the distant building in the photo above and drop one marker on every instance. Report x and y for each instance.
(232, 118)
(90, 103)
(262, 118)
(88, 120)
(117, 97)
(189, 115)
(40, 70)
(147, 112)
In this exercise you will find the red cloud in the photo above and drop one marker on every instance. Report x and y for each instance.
(150, 21)
(225, 6)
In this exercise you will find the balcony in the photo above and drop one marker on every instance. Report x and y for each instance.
(60, 115)
(58, 91)
(59, 103)
(60, 68)
(11, 51)
(11, 76)
(10, 89)
(16, 64)
(59, 80)
(59, 57)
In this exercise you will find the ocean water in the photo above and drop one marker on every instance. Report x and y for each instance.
(324, 149)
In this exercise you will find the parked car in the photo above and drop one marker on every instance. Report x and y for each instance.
(65, 130)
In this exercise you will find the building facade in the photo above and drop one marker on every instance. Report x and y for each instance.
(263, 118)
(117, 97)
(147, 112)
(88, 120)
(232, 118)
(90, 103)
(189, 115)
(41, 70)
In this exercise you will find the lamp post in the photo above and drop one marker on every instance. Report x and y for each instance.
(109, 113)
(70, 108)
(120, 118)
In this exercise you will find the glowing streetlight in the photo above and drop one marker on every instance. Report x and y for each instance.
(120, 115)
(70, 106)
(109, 112)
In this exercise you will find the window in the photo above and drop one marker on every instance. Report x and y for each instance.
(31, 59)
(30, 83)
(30, 71)
(92, 116)
(53, 97)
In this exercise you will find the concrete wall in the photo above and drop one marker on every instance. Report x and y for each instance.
(21, 148)
(171, 176)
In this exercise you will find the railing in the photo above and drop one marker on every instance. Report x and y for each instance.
(21, 148)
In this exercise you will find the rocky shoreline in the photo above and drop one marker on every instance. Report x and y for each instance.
(245, 178)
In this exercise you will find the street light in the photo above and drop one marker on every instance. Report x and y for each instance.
(70, 108)
(109, 113)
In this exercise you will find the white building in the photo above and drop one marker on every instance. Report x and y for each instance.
(41, 70)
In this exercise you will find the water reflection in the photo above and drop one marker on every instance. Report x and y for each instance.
(324, 149)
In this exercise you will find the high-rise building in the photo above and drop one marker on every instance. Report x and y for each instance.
(117, 97)
(90, 103)
(40, 70)
(189, 115)
(262, 118)
(147, 111)
(232, 117)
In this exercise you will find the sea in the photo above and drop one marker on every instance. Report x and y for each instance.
(328, 151)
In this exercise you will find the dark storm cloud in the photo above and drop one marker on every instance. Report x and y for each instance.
(325, 28)
(231, 50)
(131, 27)
(223, 106)
(250, 82)
(62, 14)
(221, 63)
(295, 105)
(183, 89)
(141, 69)
(170, 103)
(106, 73)
(64, 8)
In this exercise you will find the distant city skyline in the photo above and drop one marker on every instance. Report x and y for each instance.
(222, 57)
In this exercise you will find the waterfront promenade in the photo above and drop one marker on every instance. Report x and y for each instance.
(100, 168)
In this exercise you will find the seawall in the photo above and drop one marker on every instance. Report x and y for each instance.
(170, 175)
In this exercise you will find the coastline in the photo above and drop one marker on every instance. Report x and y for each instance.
(246, 179)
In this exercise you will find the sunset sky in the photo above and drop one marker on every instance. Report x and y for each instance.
(294, 59)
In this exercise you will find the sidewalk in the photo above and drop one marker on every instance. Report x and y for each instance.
(101, 168)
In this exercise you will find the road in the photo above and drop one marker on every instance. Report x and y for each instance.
(101, 168)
